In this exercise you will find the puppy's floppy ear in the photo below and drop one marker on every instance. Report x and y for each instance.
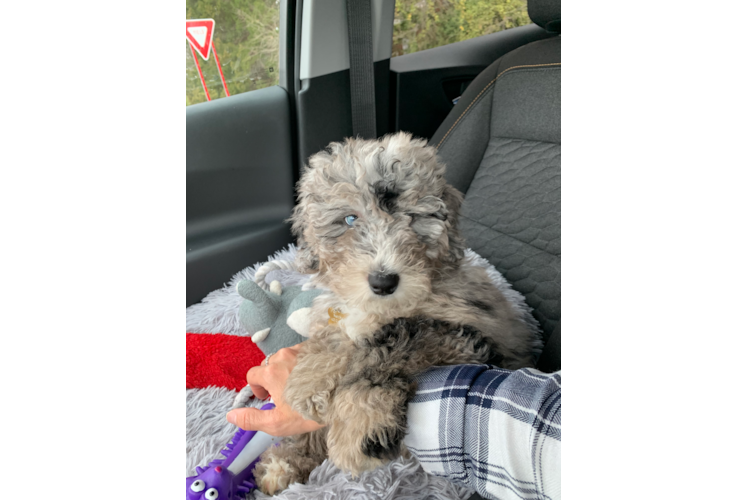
(306, 259)
(452, 198)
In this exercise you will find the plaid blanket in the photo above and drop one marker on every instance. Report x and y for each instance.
(496, 431)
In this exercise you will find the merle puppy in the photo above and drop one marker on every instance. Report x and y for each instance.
(377, 224)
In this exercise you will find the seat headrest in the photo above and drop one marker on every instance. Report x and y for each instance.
(546, 14)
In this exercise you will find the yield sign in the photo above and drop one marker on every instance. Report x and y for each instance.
(200, 35)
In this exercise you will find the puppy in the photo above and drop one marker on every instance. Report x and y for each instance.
(377, 225)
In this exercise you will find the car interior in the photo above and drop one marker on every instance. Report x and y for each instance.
(491, 105)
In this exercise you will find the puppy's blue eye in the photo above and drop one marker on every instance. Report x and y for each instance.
(349, 219)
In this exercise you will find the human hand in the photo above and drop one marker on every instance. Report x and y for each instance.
(266, 380)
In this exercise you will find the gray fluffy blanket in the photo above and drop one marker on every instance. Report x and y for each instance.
(208, 432)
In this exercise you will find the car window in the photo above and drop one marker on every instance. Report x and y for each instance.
(425, 24)
(244, 52)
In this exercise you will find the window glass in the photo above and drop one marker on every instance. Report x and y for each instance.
(246, 40)
(425, 24)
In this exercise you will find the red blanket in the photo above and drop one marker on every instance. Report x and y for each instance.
(220, 360)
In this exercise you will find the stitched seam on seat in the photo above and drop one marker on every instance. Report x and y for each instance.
(510, 236)
(486, 88)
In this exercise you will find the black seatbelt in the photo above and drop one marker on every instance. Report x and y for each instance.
(360, 48)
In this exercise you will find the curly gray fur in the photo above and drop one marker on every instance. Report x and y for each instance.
(356, 375)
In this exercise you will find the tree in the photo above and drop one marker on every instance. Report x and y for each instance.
(425, 24)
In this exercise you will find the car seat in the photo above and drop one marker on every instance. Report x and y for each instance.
(502, 147)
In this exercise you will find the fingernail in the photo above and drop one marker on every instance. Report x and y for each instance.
(231, 417)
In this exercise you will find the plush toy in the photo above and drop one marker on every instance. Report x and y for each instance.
(279, 317)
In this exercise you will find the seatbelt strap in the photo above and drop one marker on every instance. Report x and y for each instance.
(360, 49)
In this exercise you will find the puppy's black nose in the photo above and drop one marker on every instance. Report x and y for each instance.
(383, 284)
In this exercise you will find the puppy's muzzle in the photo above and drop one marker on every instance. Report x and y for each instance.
(383, 284)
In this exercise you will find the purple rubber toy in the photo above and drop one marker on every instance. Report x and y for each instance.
(230, 478)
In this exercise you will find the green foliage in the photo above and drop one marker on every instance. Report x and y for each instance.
(247, 41)
(247, 36)
(425, 24)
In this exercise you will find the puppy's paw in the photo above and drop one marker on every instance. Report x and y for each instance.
(367, 444)
(273, 474)
(311, 385)
(363, 452)
(477, 346)
(312, 407)
(384, 444)
(354, 460)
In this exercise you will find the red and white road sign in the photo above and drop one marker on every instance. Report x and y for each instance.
(200, 35)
